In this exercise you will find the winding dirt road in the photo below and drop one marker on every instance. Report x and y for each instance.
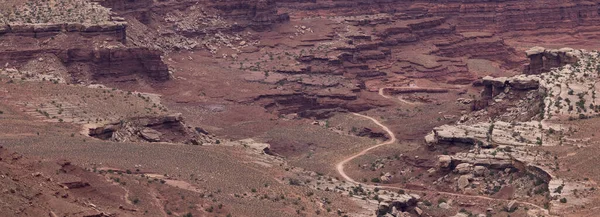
(340, 169)
(340, 165)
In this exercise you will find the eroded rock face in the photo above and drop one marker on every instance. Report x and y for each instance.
(444, 161)
(320, 104)
(565, 89)
(116, 30)
(463, 168)
(120, 64)
(257, 14)
(90, 50)
(463, 181)
(475, 15)
(170, 128)
(367, 132)
(542, 60)
(494, 86)
(402, 203)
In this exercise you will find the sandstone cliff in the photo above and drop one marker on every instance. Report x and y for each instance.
(473, 15)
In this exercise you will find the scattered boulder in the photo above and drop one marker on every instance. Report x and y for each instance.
(479, 170)
(463, 168)
(512, 206)
(431, 170)
(419, 211)
(150, 135)
(384, 208)
(430, 139)
(444, 161)
(386, 177)
(463, 181)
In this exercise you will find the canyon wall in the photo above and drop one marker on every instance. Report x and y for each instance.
(471, 15)
(257, 14)
(116, 30)
(109, 64)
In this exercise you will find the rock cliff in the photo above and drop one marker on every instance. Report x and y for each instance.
(474, 15)
(258, 14)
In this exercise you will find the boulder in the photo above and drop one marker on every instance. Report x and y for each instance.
(150, 135)
(383, 209)
(395, 211)
(419, 211)
(430, 139)
(512, 206)
(479, 170)
(444, 205)
(386, 177)
(463, 168)
(463, 182)
(444, 161)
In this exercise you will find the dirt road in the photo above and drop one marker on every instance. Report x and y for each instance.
(340, 169)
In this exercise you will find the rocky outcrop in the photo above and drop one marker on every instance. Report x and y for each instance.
(319, 105)
(477, 45)
(405, 203)
(367, 132)
(494, 86)
(543, 60)
(257, 14)
(490, 134)
(113, 29)
(565, 87)
(475, 15)
(170, 128)
(262, 13)
(109, 64)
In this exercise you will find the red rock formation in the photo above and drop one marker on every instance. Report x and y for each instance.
(542, 60)
(472, 15)
(116, 30)
(109, 64)
(168, 128)
(258, 14)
